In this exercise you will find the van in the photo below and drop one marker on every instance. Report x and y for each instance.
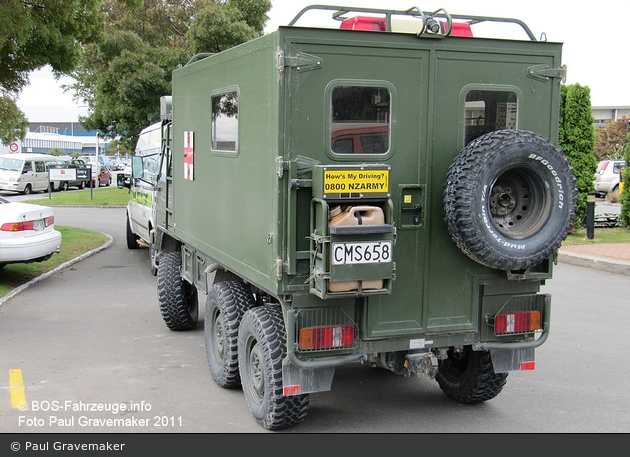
(26, 173)
(140, 213)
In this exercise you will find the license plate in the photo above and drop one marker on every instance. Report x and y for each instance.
(38, 224)
(361, 253)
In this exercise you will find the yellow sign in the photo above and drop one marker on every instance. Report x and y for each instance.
(365, 181)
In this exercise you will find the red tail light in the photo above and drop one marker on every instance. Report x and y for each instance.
(26, 225)
(326, 337)
(516, 322)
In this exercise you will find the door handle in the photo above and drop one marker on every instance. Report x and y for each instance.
(416, 210)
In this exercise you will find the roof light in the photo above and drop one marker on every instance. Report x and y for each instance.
(516, 322)
(326, 337)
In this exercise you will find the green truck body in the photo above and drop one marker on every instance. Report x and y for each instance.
(389, 198)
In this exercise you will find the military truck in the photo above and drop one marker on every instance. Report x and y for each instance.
(386, 192)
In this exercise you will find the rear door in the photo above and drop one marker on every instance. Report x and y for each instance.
(358, 100)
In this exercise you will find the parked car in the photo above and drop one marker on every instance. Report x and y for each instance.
(104, 177)
(27, 233)
(607, 176)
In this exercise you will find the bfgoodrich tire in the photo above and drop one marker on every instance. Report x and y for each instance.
(261, 349)
(468, 376)
(509, 199)
(225, 307)
(177, 297)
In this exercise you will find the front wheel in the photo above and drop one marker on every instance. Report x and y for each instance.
(178, 298)
(469, 377)
(261, 349)
(226, 304)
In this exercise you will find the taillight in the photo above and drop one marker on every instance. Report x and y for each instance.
(326, 337)
(516, 322)
(17, 226)
(48, 221)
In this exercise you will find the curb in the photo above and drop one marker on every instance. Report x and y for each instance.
(597, 263)
(43, 276)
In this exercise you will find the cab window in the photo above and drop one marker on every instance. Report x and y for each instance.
(360, 120)
(488, 110)
(224, 127)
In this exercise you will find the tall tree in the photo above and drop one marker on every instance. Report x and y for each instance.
(577, 140)
(123, 75)
(610, 140)
(625, 193)
(36, 33)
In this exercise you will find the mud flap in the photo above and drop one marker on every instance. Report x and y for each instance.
(504, 360)
(298, 381)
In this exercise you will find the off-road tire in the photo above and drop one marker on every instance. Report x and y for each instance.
(510, 199)
(130, 237)
(177, 297)
(261, 349)
(225, 306)
(468, 377)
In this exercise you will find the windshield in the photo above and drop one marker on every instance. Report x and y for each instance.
(10, 164)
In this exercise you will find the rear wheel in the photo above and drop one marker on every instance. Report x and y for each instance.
(468, 376)
(178, 298)
(63, 186)
(261, 349)
(225, 307)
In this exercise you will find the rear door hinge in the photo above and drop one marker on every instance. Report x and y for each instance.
(303, 62)
(544, 72)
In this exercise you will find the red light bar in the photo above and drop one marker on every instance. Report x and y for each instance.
(326, 337)
(516, 322)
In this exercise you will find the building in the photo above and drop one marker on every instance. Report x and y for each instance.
(606, 114)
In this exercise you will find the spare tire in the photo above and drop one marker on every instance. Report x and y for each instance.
(510, 199)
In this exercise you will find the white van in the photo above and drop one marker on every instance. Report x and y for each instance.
(140, 210)
(26, 173)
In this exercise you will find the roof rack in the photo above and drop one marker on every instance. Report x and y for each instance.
(428, 26)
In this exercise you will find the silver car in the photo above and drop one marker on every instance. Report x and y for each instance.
(607, 176)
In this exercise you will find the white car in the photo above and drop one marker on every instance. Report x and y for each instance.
(607, 176)
(27, 233)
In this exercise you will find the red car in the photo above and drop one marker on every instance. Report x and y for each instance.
(104, 177)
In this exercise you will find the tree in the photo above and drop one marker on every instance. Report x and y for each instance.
(40, 32)
(122, 77)
(577, 140)
(610, 140)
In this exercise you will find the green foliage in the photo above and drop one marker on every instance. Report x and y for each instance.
(13, 123)
(34, 34)
(122, 76)
(577, 140)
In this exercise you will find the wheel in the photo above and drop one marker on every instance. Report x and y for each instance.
(468, 376)
(63, 186)
(225, 306)
(261, 349)
(131, 238)
(109, 181)
(177, 297)
(510, 199)
(28, 190)
(82, 185)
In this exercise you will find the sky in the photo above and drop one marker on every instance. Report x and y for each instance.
(595, 48)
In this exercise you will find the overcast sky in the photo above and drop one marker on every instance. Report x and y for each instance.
(594, 35)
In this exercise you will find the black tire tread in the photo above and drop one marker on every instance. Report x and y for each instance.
(179, 308)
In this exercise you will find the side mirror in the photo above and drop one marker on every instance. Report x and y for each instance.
(121, 182)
